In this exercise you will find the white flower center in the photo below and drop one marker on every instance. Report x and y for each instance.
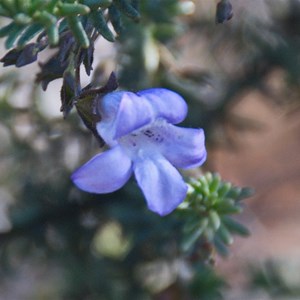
(145, 141)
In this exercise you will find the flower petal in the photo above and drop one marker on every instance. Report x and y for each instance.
(183, 147)
(125, 112)
(104, 173)
(162, 185)
(166, 104)
(122, 113)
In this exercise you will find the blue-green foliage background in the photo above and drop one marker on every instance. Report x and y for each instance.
(105, 246)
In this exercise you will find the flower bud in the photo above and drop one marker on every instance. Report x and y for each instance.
(224, 11)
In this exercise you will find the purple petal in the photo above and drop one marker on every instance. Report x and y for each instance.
(183, 147)
(125, 112)
(122, 113)
(104, 173)
(166, 104)
(162, 185)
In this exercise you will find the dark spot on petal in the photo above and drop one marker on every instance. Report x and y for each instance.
(148, 133)
(159, 139)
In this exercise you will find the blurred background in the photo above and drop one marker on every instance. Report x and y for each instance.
(241, 80)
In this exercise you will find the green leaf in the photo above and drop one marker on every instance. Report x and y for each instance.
(225, 235)
(4, 31)
(53, 34)
(224, 189)
(235, 226)
(9, 7)
(29, 33)
(191, 224)
(22, 19)
(125, 7)
(214, 183)
(22, 5)
(97, 3)
(203, 186)
(234, 193)
(3, 12)
(135, 4)
(246, 193)
(190, 239)
(68, 9)
(13, 35)
(220, 247)
(115, 18)
(78, 31)
(45, 18)
(214, 219)
(37, 5)
(228, 206)
(99, 22)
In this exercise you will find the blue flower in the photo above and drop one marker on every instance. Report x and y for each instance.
(139, 129)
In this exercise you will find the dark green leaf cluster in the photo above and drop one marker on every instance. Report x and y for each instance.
(31, 17)
(141, 56)
(208, 210)
(206, 284)
(72, 27)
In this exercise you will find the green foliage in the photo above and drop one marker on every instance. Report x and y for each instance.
(141, 44)
(280, 278)
(206, 284)
(28, 18)
(208, 211)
